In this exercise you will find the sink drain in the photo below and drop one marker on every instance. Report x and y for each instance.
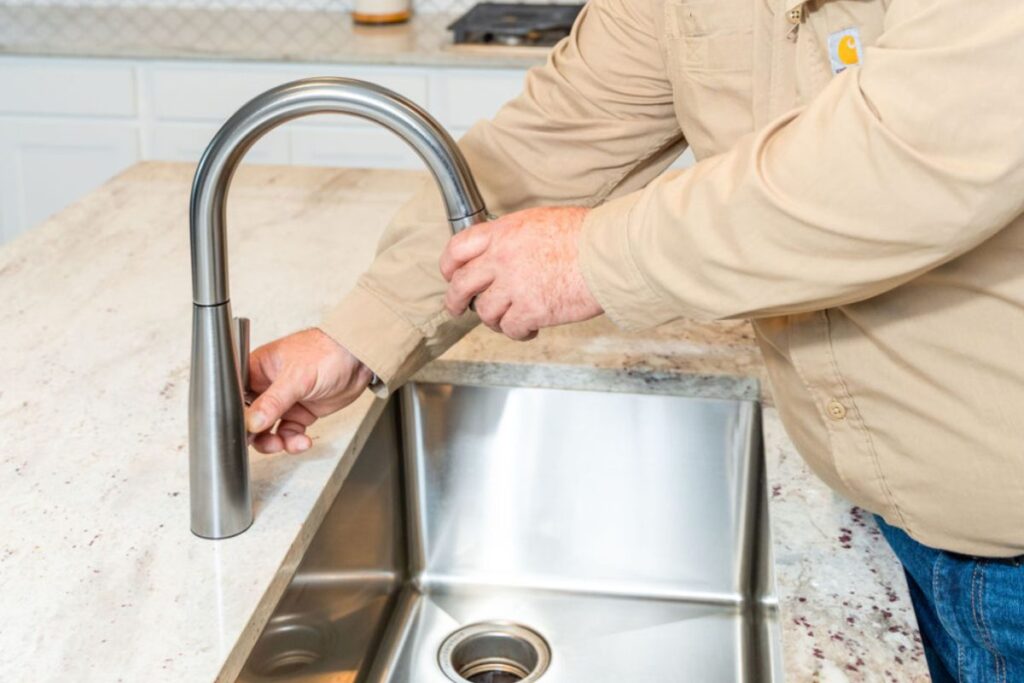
(494, 652)
(287, 648)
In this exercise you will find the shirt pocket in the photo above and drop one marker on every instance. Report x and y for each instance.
(710, 35)
(710, 58)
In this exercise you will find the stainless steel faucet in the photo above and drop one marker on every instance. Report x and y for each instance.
(218, 452)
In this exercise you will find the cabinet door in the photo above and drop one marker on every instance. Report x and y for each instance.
(69, 87)
(187, 141)
(46, 165)
(203, 91)
(351, 147)
(461, 97)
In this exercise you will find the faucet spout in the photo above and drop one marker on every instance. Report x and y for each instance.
(220, 500)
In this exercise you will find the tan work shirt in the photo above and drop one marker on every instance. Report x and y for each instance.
(858, 195)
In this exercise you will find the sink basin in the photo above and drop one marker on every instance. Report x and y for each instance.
(495, 535)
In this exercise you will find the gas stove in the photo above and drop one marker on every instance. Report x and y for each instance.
(515, 24)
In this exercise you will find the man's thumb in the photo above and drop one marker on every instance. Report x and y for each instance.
(285, 391)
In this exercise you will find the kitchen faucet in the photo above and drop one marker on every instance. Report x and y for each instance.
(221, 504)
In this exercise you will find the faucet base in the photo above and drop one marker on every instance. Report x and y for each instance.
(218, 452)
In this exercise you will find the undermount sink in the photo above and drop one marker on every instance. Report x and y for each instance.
(495, 535)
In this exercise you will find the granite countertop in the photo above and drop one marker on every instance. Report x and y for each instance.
(100, 578)
(241, 34)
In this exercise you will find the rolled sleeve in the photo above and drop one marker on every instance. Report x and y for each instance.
(384, 341)
(373, 333)
(611, 272)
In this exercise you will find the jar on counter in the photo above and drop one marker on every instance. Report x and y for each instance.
(381, 11)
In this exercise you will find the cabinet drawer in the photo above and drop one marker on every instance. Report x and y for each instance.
(461, 97)
(59, 87)
(187, 141)
(213, 94)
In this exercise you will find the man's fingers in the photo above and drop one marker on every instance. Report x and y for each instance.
(515, 324)
(300, 414)
(518, 333)
(290, 427)
(286, 390)
(297, 443)
(289, 436)
(259, 361)
(463, 248)
(268, 442)
(294, 436)
(466, 283)
(491, 306)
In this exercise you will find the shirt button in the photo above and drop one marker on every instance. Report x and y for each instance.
(836, 410)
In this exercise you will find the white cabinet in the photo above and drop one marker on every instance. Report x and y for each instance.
(67, 87)
(47, 164)
(685, 160)
(461, 97)
(212, 92)
(172, 141)
(67, 125)
(354, 147)
(189, 102)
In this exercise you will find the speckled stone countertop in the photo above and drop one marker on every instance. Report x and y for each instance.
(241, 34)
(100, 578)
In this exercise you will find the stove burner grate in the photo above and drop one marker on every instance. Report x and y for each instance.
(505, 23)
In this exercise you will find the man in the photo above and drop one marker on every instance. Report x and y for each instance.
(858, 196)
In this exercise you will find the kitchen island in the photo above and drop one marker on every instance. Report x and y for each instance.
(100, 577)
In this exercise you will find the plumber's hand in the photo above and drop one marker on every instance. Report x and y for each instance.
(299, 378)
(523, 270)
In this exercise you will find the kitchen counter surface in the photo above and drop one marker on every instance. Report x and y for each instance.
(100, 578)
(241, 34)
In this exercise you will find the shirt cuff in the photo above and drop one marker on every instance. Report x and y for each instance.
(381, 339)
(610, 269)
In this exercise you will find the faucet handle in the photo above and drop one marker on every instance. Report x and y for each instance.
(242, 347)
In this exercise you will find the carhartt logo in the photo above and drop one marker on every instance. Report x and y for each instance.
(848, 51)
(844, 49)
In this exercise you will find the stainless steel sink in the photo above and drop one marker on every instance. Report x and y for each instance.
(506, 534)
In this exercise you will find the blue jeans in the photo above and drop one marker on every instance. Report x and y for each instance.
(970, 611)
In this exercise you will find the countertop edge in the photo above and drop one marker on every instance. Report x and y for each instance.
(582, 378)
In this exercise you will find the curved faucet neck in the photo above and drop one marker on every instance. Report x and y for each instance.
(301, 98)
